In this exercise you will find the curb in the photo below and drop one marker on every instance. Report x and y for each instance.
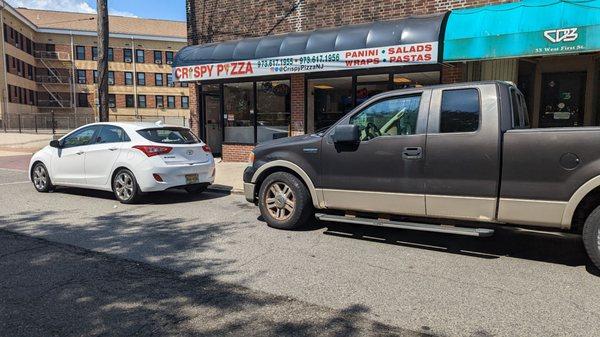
(225, 189)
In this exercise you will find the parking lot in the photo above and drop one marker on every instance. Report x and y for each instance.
(368, 280)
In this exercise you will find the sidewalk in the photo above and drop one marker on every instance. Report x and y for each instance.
(229, 176)
(12, 144)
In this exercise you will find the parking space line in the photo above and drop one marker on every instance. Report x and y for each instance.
(15, 183)
(14, 170)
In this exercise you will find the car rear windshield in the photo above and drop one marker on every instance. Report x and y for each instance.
(169, 135)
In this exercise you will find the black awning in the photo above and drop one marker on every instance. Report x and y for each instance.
(407, 31)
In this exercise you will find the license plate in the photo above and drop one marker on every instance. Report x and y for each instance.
(191, 178)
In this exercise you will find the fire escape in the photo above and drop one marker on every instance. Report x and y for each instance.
(55, 77)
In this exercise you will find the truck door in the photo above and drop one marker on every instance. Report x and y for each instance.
(462, 165)
(384, 172)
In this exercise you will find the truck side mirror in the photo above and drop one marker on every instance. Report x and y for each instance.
(55, 143)
(346, 134)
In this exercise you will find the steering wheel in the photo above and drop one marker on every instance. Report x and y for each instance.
(371, 131)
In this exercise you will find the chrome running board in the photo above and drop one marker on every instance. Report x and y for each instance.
(479, 232)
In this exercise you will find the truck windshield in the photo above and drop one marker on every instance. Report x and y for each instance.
(169, 135)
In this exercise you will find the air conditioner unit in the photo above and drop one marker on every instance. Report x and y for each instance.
(158, 61)
(159, 105)
(19, 73)
(95, 58)
(111, 82)
(128, 60)
(169, 62)
(172, 84)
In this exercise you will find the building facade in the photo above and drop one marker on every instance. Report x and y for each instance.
(50, 61)
(261, 72)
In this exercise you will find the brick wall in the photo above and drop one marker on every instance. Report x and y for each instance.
(297, 104)
(222, 20)
(236, 152)
(453, 73)
(194, 112)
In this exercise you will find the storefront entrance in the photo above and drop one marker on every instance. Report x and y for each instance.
(210, 99)
(562, 99)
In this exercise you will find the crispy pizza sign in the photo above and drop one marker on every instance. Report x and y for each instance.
(419, 53)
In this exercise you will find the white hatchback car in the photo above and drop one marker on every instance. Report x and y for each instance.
(126, 158)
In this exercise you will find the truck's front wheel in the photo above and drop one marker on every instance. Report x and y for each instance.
(591, 236)
(284, 201)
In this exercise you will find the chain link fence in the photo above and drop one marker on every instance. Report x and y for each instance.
(63, 123)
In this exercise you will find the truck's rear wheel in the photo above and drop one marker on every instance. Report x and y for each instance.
(591, 236)
(284, 201)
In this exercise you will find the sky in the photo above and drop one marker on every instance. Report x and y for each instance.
(149, 9)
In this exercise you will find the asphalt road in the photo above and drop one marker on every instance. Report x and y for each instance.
(516, 283)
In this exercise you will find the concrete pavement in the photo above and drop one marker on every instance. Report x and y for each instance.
(516, 283)
(61, 290)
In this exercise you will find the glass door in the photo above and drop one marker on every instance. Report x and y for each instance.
(562, 101)
(211, 109)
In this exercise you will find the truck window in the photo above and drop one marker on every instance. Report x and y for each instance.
(389, 117)
(520, 116)
(516, 109)
(459, 111)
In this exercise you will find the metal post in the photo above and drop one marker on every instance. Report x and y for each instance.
(19, 122)
(102, 60)
(135, 100)
(53, 126)
(6, 94)
(35, 122)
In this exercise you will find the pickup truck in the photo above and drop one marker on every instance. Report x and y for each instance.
(462, 155)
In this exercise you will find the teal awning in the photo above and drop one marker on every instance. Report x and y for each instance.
(526, 28)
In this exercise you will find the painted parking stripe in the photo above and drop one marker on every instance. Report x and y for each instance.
(16, 183)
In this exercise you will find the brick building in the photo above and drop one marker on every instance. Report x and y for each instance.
(50, 60)
(235, 108)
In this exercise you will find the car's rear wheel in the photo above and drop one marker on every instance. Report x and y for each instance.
(591, 236)
(41, 178)
(284, 201)
(125, 187)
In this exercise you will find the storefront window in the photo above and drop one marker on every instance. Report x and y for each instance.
(328, 100)
(238, 99)
(273, 105)
(368, 86)
(415, 80)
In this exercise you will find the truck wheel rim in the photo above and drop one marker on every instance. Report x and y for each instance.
(280, 201)
(124, 186)
(40, 177)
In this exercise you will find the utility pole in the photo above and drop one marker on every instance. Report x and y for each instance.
(102, 8)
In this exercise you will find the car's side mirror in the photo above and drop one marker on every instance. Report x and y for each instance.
(55, 143)
(346, 134)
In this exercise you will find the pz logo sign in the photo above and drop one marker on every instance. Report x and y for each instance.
(561, 35)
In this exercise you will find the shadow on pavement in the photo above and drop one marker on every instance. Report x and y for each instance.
(55, 289)
(158, 198)
(513, 242)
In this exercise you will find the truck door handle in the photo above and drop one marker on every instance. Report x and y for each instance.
(412, 153)
(80, 153)
(113, 149)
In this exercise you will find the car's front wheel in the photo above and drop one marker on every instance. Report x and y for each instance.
(125, 187)
(284, 201)
(41, 178)
(591, 236)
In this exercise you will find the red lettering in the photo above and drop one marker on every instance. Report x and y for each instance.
(178, 72)
(184, 73)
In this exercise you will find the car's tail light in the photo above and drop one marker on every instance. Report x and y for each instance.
(152, 150)
(206, 148)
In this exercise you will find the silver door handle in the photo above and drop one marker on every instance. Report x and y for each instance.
(80, 152)
(113, 149)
